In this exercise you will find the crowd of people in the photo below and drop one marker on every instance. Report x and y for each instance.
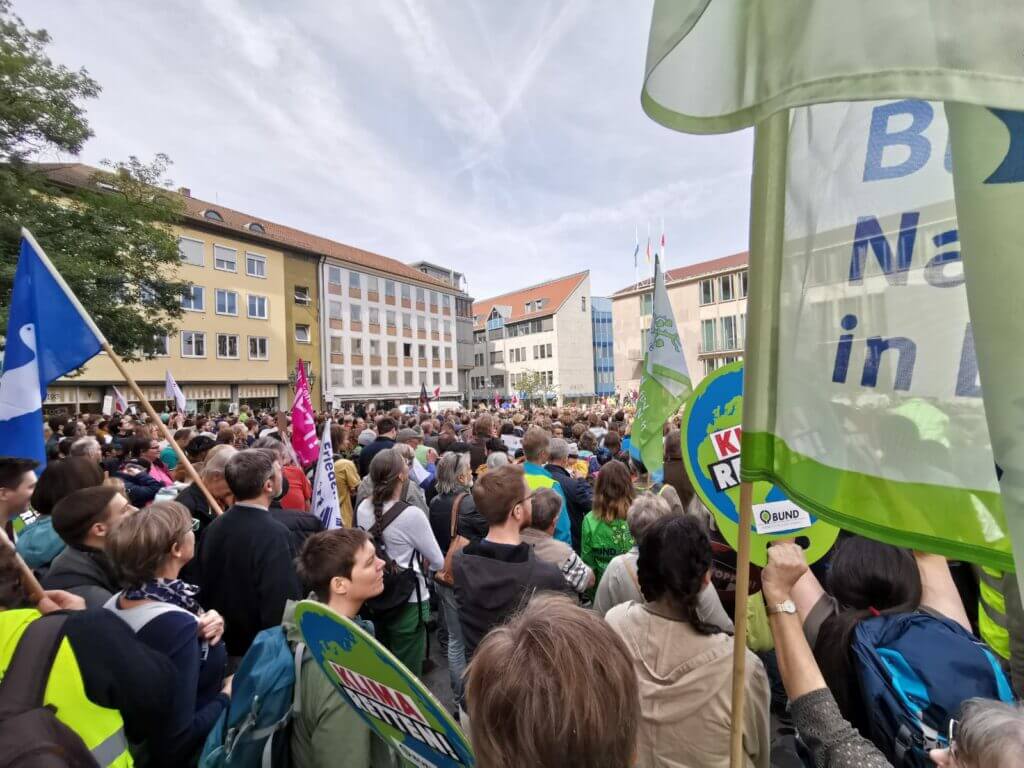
(584, 607)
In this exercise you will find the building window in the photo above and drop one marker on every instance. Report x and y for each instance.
(338, 377)
(374, 316)
(498, 382)
(334, 276)
(336, 342)
(419, 295)
(357, 346)
(406, 291)
(302, 295)
(227, 302)
(357, 377)
(392, 349)
(334, 310)
(255, 226)
(406, 321)
(433, 302)
(225, 258)
(708, 335)
(725, 288)
(407, 350)
(478, 359)
(389, 316)
(302, 334)
(448, 379)
(372, 285)
(194, 299)
(163, 346)
(392, 378)
(227, 346)
(728, 333)
(212, 215)
(421, 323)
(743, 329)
(423, 351)
(437, 378)
(389, 288)
(191, 251)
(434, 325)
(258, 307)
(435, 353)
(355, 313)
(375, 347)
(448, 327)
(707, 291)
(647, 304)
(744, 277)
(541, 351)
(448, 353)
(408, 378)
(193, 344)
(259, 348)
(583, 302)
(375, 378)
(255, 265)
(354, 279)
(709, 365)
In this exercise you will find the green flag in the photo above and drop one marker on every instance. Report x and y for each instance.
(666, 381)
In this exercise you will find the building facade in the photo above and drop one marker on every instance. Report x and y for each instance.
(604, 348)
(302, 318)
(709, 302)
(542, 332)
(463, 321)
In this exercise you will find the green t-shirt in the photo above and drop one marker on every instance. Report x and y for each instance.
(601, 541)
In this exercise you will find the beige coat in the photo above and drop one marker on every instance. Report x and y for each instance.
(685, 693)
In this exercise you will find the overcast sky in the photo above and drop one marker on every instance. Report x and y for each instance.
(505, 140)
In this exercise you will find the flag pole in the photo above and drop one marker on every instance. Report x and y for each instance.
(105, 345)
(767, 220)
(151, 412)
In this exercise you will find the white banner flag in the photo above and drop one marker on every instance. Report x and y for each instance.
(325, 485)
(173, 392)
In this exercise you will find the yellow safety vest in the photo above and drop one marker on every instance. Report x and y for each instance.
(992, 611)
(101, 729)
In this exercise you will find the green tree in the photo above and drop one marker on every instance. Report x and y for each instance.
(533, 385)
(110, 235)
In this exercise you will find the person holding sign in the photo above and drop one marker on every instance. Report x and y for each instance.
(342, 568)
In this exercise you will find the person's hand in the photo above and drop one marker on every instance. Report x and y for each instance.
(132, 470)
(59, 600)
(786, 564)
(227, 685)
(211, 627)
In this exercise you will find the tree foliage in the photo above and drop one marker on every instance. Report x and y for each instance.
(534, 386)
(111, 239)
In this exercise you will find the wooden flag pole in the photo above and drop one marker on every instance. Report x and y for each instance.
(767, 233)
(148, 407)
(33, 589)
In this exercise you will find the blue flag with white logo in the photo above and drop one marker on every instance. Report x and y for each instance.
(48, 335)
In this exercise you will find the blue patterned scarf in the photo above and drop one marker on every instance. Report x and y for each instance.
(173, 591)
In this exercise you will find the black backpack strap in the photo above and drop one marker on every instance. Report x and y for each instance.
(389, 517)
(24, 684)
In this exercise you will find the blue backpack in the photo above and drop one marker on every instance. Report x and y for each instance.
(915, 670)
(265, 694)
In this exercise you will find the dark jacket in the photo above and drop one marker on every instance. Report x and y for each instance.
(85, 572)
(141, 488)
(300, 524)
(470, 524)
(579, 499)
(246, 573)
(196, 503)
(477, 452)
(492, 581)
(366, 455)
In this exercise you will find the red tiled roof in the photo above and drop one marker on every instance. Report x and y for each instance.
(79, 175)
(554, 292)
(693, 270)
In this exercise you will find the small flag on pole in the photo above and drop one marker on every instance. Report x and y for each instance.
(120, 402)
(48, 335)
(437, 392)
(424, 400)
(173, 392)
(303, 424)
(648, 243)
(636, 248)
(325, 484)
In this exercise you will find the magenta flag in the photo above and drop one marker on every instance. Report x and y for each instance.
(303, 424)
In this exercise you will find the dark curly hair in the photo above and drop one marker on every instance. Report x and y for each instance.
(675, 556)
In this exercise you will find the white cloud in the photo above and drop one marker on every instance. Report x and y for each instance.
(505, 140)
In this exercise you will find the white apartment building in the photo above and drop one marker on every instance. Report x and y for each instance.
(387, 333)
(544, 328)
(709, 301)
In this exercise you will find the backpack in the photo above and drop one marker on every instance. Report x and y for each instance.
(31, 736)
(915, 670)
(265, 695)
(399, 582)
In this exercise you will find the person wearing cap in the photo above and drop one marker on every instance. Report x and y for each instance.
(83, 519)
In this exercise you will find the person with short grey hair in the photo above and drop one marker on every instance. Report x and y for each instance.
(990, 734)
(497, 459)
(620, 583)
(89, 447)
(579, 494)
(547, 505)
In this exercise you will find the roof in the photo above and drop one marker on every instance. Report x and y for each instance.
(512, 306)
(237, 222)
(691, 271)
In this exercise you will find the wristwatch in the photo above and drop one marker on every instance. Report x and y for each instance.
(786, 606)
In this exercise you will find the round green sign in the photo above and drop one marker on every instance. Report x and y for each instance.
(711, 429)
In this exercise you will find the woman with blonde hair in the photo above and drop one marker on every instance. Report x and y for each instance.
(605, 532)
(148, 550)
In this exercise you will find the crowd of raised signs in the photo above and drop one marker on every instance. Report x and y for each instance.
(585, 609)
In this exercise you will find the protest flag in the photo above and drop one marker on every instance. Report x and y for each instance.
(922, 439)
(120, 401)
(304, 440)
(424, 400)
(173, 392)
(325, 484)
(436, 393)
(665, 382)
(48, 335)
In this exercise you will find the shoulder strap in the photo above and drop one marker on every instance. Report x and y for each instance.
(389, 517)
(631, 570)
(455, 513)
(24, 683)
